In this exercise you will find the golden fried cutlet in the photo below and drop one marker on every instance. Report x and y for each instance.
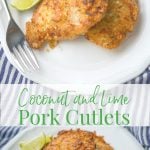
(78, 140)
(120, 19)
(56, 20)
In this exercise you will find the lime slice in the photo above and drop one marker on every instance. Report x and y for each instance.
(36, 144)
(47, 139)
(24, 4)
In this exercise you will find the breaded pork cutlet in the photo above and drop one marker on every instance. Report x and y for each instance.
(78, 140)
(56, 20)
(120, 19)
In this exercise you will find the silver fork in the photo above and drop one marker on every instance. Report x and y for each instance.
(18, 46)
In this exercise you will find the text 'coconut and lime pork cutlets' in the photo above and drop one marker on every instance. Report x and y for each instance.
(56, 20)
(77, 140)
(120, 19)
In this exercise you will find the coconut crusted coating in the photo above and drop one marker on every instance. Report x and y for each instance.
(56, 20)
(77, 140)
(120, 19)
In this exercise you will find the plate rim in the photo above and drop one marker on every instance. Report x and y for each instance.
(136, 69)
(23, 132)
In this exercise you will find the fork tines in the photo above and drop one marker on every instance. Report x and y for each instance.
(24, 57)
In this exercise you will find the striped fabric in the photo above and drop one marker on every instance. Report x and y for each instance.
(7, 133)
(10, 75)
(142, 134)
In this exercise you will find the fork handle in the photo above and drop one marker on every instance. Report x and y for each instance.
(5, 4)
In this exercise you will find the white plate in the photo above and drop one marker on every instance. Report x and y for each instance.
(80, 61)
(118, 138)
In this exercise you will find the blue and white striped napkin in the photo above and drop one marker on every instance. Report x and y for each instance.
(10, 75)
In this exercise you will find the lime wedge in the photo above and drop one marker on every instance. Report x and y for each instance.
(24, 4)
(36, 144)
